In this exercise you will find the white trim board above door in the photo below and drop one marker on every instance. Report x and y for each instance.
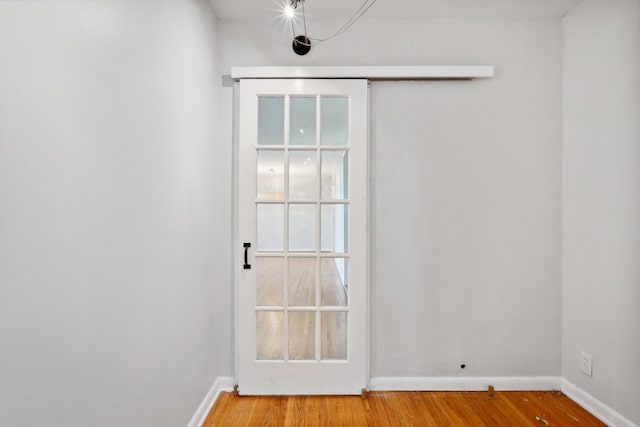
(427, 72)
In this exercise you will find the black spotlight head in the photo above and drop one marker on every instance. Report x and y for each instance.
(301, 45)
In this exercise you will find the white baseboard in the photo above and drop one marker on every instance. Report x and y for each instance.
(221, 384)
(464, 383)
(600, 410)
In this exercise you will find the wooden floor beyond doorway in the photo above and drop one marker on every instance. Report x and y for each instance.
(403, 409)
(301, 292)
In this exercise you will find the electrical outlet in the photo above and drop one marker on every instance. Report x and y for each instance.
(585, 363)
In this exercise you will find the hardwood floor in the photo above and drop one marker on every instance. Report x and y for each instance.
(403, 409)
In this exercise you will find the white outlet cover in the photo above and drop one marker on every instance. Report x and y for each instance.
(585, 363)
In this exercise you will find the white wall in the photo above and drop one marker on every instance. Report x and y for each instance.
(108, 212)
(601, 293)
(466, 189)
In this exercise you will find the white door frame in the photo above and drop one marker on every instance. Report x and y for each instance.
(239, 250)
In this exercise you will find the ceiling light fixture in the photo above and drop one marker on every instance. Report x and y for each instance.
(302, 43)
(289, 11)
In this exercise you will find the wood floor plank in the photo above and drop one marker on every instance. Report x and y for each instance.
(484, 406)
(460, 404)
(268, 412)
(530, 405)
(430, 410)
(571, 411)
(392, 409)
(514, 411)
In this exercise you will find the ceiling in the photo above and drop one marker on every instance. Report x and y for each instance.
(251, 10)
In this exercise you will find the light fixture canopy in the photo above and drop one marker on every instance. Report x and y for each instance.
(301, 45)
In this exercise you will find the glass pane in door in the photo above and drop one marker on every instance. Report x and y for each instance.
(334, 228)
(335, 175)
(270, 227)
(270, 335)
(302, 335)
(302, 227)
(302, 175)
(334, 335)
(271, 120)
(302, 129)
(270, 281)
(334, 283)
(335, 120)
(270, 175)
(302, 281)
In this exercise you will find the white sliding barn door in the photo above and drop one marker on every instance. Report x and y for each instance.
(302, 291)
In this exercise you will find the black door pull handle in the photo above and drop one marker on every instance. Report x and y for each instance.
(246, 265)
